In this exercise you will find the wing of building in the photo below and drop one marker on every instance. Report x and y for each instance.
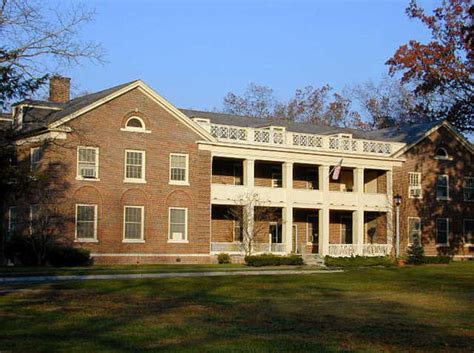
(139, 180)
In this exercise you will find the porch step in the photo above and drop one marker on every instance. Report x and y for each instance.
(313, 260)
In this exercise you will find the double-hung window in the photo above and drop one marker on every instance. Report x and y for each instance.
(12, 221)
(469, 231)
(442, 187)
(468, 189)
(178, 225)
(133, 228)
(178, 168)
(86, 222)
(87, 163)
(135, 166)
(414, 230)
(35, 219)
(36, 153)
(414, 185)
(442, 231)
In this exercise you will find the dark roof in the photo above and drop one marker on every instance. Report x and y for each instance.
(406, 134)
(38, 118)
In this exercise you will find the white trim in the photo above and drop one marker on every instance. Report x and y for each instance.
(142, 228)
(86, 240)
(184, 182)
(80, 177)
(185, 240)
(135, 129)
(141, 180)
(153, 95)
(34, 165)
(447, 233)
(408, 229)
(444, 157)
(415, 187)
(442, 198)
(464, 232)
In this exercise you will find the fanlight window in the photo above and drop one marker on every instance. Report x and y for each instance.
(135, 124)
(442, 153)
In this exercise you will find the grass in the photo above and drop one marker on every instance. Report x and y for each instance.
(410, 309)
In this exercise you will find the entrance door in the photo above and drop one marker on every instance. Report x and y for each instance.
(346, 229)
(313, 233)
(275, 237)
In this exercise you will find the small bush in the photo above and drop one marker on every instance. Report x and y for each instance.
(223, 258)
(436, 259)
(69, 256)
(273, 260)
(415, 254)
(358, 261)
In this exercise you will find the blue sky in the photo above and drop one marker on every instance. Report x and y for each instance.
(194, 52)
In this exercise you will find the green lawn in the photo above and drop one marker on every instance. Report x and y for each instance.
(428, 308)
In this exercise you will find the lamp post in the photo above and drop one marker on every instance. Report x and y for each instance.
(398, 201)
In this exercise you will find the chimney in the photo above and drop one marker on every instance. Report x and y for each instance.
(59, 89)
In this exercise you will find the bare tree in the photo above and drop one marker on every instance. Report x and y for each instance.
(251, 213)
(36, 41)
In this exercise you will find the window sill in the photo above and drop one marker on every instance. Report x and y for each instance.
(443, 199)
(178, 241)
(134, 181)
(179, 183)
(443, 158)
(130, 241)
(86, 240)
(469, 245)
(140, 131)
(87, 179)
(442, 245)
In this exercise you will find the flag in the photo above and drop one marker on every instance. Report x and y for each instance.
(337, 170)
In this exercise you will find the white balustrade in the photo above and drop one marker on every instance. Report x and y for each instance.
(376, 249)
(348, 250)
(277, 137)
(342, 250)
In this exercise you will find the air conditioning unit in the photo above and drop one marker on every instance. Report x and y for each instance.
(415, 193)
(176, 236)
(88, 172)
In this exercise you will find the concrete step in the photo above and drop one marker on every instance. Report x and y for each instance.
(313, 260)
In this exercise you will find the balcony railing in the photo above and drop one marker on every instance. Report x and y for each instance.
(348, 250)
(278, 137)
(257, 247)
(376, 249)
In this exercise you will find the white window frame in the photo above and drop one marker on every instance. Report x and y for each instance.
(185, 240)
(141, 180)
(408, 230)
(443, 198)
(446, 157)
(142, 228)
(135, 129)
(466, 243)
(78, 175)
(34, 164)
(414, 188)
(86, 240)
(307, 228)
(186, 179)
(464, 188)
(447, 233)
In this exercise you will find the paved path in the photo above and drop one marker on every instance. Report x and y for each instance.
(46, 279)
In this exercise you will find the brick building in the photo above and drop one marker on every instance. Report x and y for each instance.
(144, 181)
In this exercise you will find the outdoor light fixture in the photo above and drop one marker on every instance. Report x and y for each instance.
(398, 201)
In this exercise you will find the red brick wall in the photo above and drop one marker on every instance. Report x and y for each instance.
(420, 158)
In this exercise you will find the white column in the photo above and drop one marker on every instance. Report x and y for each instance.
(359, 180)
(249, 172)
(287, 215)
(358, 229)
(287, 175)
(390, 228)
(324, 231)
(324, 180)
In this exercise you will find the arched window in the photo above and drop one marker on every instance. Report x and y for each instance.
(441, 153)
(135, 123)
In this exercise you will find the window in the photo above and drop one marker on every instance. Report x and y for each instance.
(134, 166)
(34, 218)
(12, 221)
(178, 168)
(87, 163)
(178, 218)
(469, 189)
(86, 222)
(414, 185)
(135, 124)
(442, 187)
(414, 230)
(441, 153)
(238, 231)
(133, 224)
(36, 153)
(442, 231)
(469, 231)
